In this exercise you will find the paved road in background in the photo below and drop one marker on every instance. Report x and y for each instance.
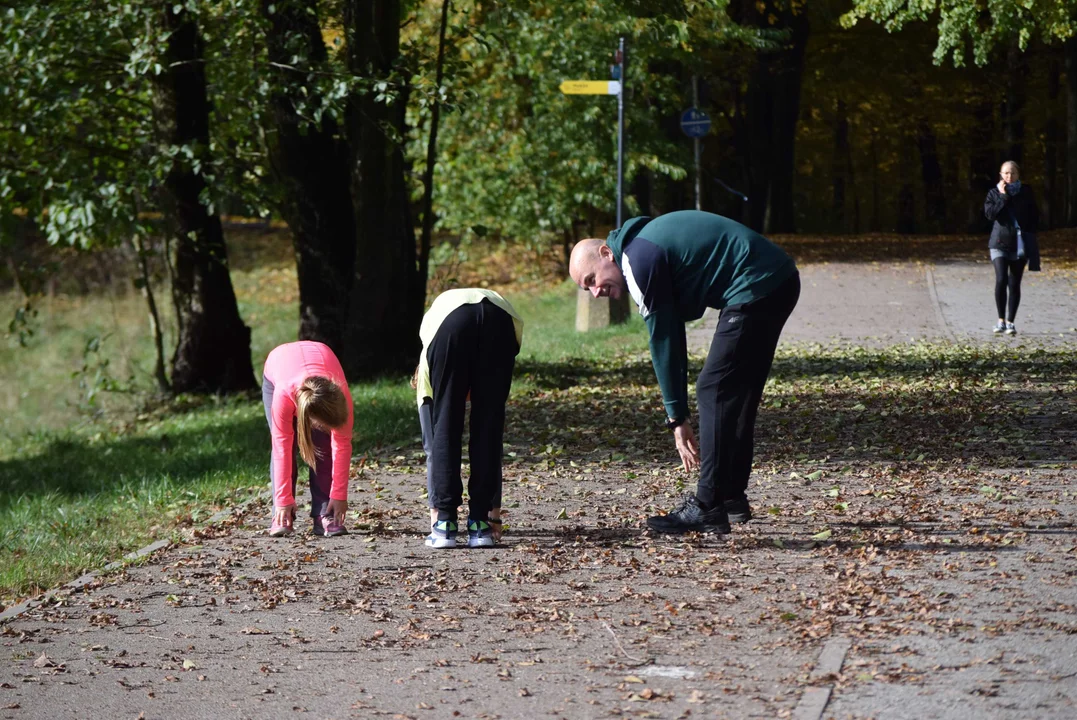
(878, 304)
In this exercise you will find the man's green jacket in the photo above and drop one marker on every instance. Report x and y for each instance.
(679, 264)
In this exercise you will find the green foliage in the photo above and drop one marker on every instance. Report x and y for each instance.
(21, 325)
(80, 150)
(95, 376)
(76, 145)
(520, 158)
(973, 24)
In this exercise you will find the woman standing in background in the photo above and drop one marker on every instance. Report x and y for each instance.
(1012, 207)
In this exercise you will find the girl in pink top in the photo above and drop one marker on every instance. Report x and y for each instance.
(309, 410)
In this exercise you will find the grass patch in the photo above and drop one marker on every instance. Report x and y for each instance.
(79, 345)
(550, 329)
(75, 500)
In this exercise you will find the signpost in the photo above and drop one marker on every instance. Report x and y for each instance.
(591, 87)
(594, 312)
(695, 123)
(620, 133)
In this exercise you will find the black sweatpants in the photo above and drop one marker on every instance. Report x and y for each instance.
(1008, 277)
(473, 351)
(730, 387)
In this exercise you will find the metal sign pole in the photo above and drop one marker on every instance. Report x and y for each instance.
(697, 143)
(621, 132)
(593, 312)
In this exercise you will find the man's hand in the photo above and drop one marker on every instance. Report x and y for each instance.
(337, 509)
(686, 446)
(1001, 186)
(284, 515)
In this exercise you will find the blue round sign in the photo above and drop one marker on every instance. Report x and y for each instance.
(695, 123)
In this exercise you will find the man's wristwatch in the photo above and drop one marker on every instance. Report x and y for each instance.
(674, 423)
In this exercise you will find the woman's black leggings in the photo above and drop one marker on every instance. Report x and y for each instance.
(1008, 277)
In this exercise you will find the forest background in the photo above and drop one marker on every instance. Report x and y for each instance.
(377, 130)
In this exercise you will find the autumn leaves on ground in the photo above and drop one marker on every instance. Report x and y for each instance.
(916, 500)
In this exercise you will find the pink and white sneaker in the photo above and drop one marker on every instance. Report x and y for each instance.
(327, 525)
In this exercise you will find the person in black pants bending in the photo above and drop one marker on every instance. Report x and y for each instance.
(1012, 207)
(471, 337)
(674, 267)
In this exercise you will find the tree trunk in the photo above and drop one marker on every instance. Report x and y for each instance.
(145, 284)
(875, 224)
(738, 173)
(906, 210)
(1052, 133)
(983, 168)
(432, 154)
(387, 294)
(1014, 107)
(789, 70)
(213, 348)
(311, 167)
(756, 128)
(853, 187)
(1071, 132)
(838, 168)
(931, 174)
(951, 172)
(568, 240)
(772, 109)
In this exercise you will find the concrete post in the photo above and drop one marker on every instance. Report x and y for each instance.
(594, 313)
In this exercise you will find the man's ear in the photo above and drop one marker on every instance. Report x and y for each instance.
(604, 252)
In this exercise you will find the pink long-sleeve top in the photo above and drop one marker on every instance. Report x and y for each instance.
(287, 367)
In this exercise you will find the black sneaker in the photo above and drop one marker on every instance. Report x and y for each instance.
(738, 509)
(690, 517)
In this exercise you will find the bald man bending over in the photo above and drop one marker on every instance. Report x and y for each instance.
(676, 266)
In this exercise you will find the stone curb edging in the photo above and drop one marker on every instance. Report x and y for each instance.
(813, 702)
(82, 581)
(937, 306)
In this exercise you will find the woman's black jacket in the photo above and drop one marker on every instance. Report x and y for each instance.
(1004, 210)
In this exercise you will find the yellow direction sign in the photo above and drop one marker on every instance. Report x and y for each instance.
(591, 87)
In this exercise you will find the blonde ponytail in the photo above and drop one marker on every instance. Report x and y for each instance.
(319, 400)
